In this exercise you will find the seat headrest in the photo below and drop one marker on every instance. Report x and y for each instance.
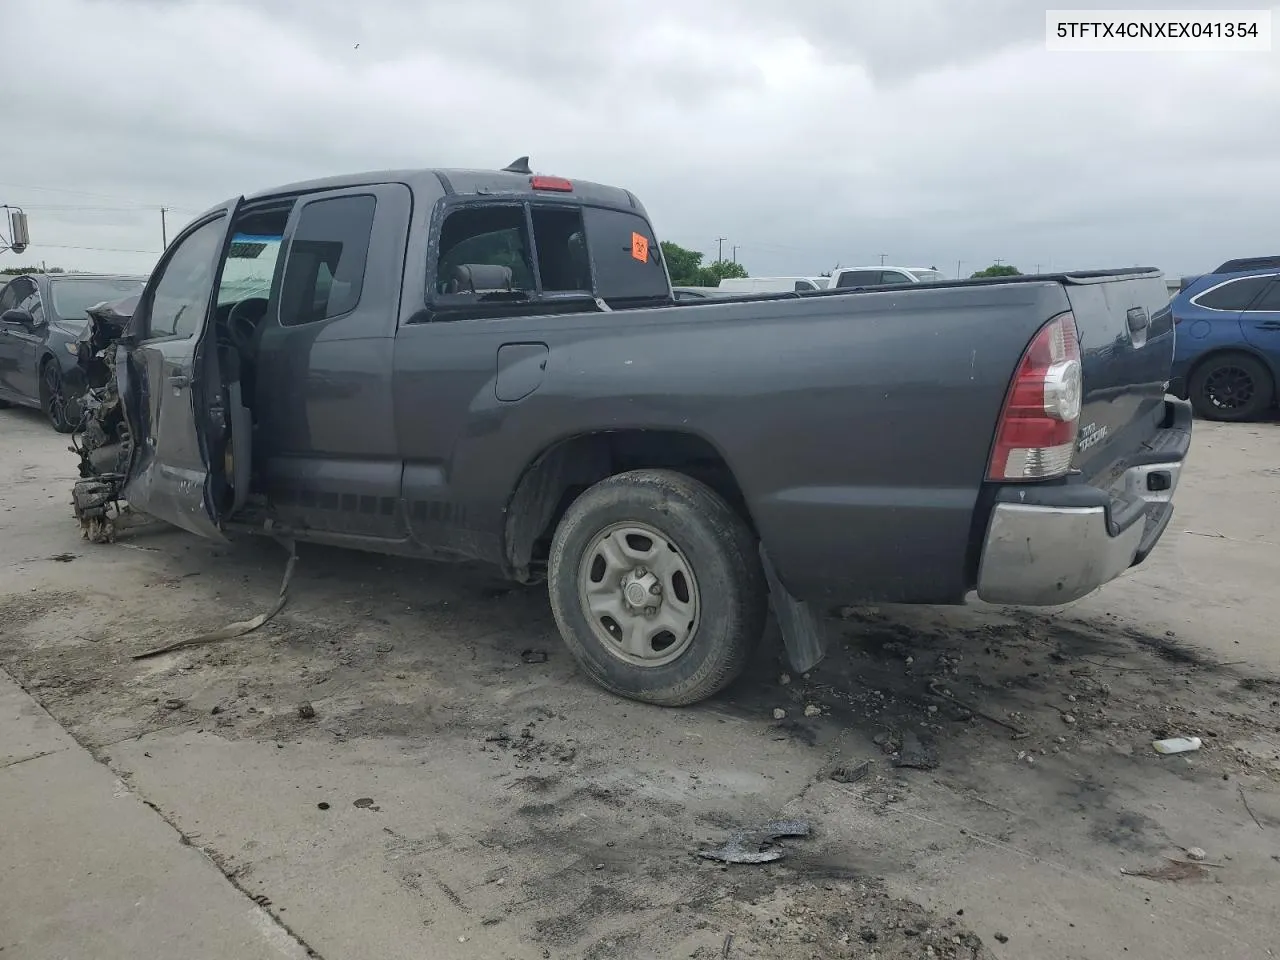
(480, 277)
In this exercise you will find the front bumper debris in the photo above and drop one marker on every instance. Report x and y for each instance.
(101, 440)
(98, 509)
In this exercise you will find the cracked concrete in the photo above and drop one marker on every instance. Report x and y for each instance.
(90, 873)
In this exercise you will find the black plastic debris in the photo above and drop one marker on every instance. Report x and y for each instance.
(914, 754)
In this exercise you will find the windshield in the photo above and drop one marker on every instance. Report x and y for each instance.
(72, 297)
(251, 263)
(928, 276)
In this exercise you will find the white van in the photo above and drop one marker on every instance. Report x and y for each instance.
(732, 285)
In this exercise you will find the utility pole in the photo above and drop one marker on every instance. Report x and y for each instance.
(720, 248)
(164, 232)
(882, 256)
(735, 253)
(958, 262)
(998, 261)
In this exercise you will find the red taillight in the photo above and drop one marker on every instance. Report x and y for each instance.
(1036, 437)
(551, 183)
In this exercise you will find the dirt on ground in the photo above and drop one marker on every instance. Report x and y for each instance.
(406, 759)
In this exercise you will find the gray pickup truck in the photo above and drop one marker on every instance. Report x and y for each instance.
(491, 365)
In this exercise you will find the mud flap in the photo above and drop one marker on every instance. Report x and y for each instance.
(802, 633)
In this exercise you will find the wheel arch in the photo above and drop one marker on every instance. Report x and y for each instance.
(561, 471)
(1247, 350)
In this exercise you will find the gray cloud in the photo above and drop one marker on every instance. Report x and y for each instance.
(808, 133)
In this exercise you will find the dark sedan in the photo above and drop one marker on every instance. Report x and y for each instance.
(41, 318)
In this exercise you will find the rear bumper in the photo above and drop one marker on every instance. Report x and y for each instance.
(1051, 545)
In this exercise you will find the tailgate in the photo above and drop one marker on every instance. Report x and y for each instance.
(1126, 353)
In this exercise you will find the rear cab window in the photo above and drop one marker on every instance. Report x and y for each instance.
(628, 261)
(512, 257)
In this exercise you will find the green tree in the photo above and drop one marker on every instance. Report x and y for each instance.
(683, 265)
(710, 276)
(998, 270)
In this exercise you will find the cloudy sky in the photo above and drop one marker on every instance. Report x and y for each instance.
(808, 133)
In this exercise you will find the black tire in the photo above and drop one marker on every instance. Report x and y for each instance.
(53, 398)
(1231, 387)
(707, 536)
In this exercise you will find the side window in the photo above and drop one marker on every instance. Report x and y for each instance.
(804, 285)
(1270, 299)
(893, 276)
(858, 278)
(324, 272)
(626, 256)
(484, 250)
(16, 294)
(1234, 295)
(182, 294)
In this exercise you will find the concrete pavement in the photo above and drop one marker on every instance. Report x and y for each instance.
(89, 872)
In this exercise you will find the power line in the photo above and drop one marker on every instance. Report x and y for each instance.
(93, 196)
(72, 246)
(78, 208)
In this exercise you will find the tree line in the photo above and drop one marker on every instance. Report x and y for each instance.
(686, 268)
(19, 271)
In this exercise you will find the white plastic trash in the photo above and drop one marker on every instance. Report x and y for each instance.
(1176, 745)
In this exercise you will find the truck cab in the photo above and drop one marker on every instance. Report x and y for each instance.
(275, 318)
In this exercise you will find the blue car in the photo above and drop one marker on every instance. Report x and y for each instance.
(1227, 358)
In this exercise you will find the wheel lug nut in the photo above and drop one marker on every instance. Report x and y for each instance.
(656, 589)
(650, 611)
(640, 571)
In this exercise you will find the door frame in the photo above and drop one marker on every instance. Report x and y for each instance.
(191, 377)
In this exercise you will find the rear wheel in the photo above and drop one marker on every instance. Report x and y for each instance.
(1231, 387)
(656, 587)
(53, 398)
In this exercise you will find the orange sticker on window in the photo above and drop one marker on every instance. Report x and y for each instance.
(640, 247)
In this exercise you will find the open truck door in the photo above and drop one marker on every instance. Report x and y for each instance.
(171, 384)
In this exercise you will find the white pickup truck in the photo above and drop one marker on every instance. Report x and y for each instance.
(844, 277)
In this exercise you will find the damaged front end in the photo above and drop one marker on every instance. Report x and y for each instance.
(102, 439)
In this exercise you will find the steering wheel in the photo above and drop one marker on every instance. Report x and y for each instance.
(242, 323)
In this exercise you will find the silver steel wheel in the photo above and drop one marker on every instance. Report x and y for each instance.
(639, 594)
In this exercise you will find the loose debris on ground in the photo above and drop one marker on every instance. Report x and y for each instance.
(758, 845)
(1171, 871)
(840, 919)
(388, 658)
